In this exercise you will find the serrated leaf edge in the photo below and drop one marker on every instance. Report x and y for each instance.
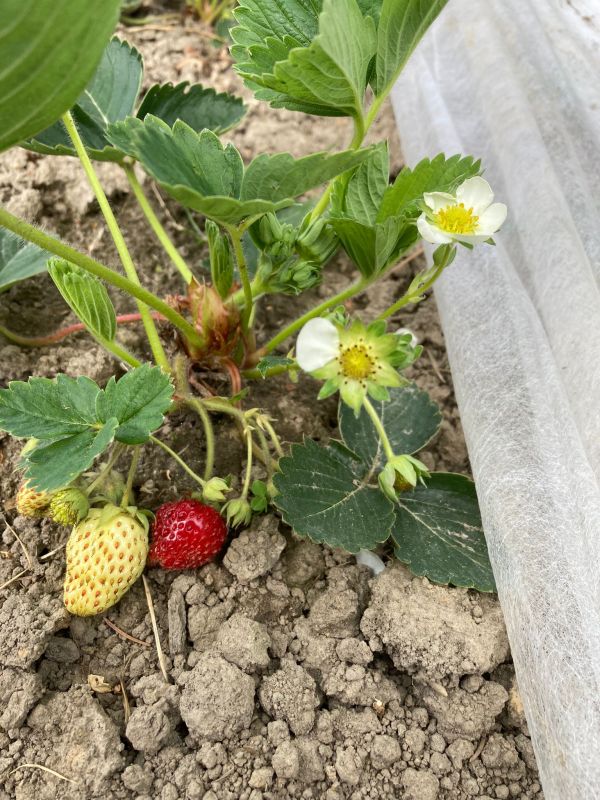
(364, 484)
(423, 574)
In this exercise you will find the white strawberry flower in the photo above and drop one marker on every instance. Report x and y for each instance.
(357, 360)
(469, 215)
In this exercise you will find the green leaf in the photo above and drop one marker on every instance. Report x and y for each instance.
(410, 418)
(49, 49)
(110, 96)
(195, 168)
(268, 362)
(359, 241)
(402, 24)
(52, 466)
(262, 19)
(195, 105)
(48, 409)
(19, 260)
(438, 533)
(267, 31)
(86, 296)
(208, 177)
(438, 175)
(74, 420)
(371, 247)
(324, 74)
(281, 176)
(139, 401)
(371, 8)
(367, 185)
(325, 493)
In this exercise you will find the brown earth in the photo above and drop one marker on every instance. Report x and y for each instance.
(292, 672)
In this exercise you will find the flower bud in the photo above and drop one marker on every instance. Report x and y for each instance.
(214, 490)
(238, 512)
(218, 322)
(221, 259)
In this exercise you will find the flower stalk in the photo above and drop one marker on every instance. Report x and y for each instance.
(115, 231)
(160, 232)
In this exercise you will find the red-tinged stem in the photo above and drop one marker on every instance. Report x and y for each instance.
(234, 375)
(57, 336)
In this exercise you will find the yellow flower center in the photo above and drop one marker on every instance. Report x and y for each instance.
(456, 219)
(356, 362)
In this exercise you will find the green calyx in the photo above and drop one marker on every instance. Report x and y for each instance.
(214, 490)
(69, 506)
(238, 512)
(367, 364)
(401, 474)
(108, 513)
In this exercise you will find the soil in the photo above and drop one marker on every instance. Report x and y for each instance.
(293, 672)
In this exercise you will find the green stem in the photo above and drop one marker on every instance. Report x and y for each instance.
(178, 459)
(361, 127)
(247, 477)
(271, 372)
(130, 476)
(321, 206)
(258, 290)
(263, 450)
(151, 331)
(32, 234)
(387, 448)
(160, 232)
(374, 110)
(119, 352)
(194, 226)
(351, 291)
(221, 406)
(106, 469)
(412, 296)
(337, 299)
(209, 435)
(273, 435)
(236, 239)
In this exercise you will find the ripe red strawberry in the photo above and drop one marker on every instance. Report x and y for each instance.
(185, 535)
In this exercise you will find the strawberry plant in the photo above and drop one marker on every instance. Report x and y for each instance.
(335, 58)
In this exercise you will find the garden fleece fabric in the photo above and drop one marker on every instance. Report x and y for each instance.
(517, 83)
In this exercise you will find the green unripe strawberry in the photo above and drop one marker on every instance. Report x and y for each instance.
(30, 502)
(106, 554)
(69, 506)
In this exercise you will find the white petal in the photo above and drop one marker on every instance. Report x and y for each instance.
(474, 238)
(413, 339)
(430, 233)
(437, 200)
(492, 219)
(371, 560)
(317, 344)
(475, 193)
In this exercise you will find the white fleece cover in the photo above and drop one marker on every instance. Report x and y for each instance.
(517, 83)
